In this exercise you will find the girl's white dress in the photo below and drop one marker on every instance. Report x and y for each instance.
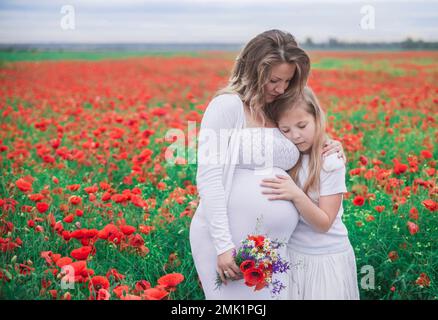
(231, 199)
(323, 264)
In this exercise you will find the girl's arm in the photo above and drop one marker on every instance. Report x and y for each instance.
(320, 216)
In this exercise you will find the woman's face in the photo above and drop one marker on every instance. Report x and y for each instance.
(280, 77)
(298, 126)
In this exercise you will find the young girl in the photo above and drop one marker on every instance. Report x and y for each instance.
(322, 259)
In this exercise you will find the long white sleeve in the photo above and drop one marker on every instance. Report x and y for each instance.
(221, 113)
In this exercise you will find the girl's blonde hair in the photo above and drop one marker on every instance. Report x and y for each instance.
(253, 66)
(309, 102)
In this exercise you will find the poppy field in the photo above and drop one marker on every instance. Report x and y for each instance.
(91, 209)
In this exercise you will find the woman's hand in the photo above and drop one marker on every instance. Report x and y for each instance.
(332, 146)
(227, 267)
(281, 188)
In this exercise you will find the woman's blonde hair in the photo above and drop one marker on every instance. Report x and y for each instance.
(309, 103)
(253, 66)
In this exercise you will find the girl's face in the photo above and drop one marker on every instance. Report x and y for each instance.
(281, 75)
(298, 126)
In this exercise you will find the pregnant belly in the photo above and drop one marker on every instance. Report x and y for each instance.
(251, 212)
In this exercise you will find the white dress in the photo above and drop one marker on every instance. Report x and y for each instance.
(323, 264)
(225, 216)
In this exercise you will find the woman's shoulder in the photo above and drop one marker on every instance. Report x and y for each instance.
(228, 105)
(227, 100)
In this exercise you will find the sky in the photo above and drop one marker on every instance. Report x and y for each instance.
(213, 21)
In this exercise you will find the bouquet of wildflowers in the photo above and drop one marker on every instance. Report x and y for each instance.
(258, 260)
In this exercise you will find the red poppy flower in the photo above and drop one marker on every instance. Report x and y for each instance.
(254, 277)
(358, 201)
(247, 264)
(413, 228)
(146, 229)
(69, 218)
(42, 207)
(430, 205)
(97, 283)
(141, 286)
(127, 230)
(399, 168)
(81, 253)
(423, 280)
(115, 274)
(259, 240)
(379, 209)
(155, 294)
(78, 266)
(413, 213)
(121, 290)
(426, 154)
(64, 261)
(171, 280)
(393, 255)
(103, 294)
(36, 197)
(75, 200)
(23, 185)
(136, 241)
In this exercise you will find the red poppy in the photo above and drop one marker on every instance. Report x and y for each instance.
(254, 277)
(413, 213)
(115, 274)
(75, 200)
(127, 230)
(81, 253)
(393, 255)
(69, 218)
(78, 266)
(64, 261)
(42, 207)
(413, 228)
(53, 293)
(423, 280)
(73, 187)
(103, 294)
(426, 154)
(146, 229)
(136, 241)
(97, 283)
(155, 294)
(379, 209)
(358, 201)
(399, 168)
(23, 185)
(121, 290)
(430, 205)
(247, 264)
(259, 240)
(36, 197)
(142, 285)
(171, 280)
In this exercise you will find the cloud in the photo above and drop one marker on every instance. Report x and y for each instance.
(24, 21)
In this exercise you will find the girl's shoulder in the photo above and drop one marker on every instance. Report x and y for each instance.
(332, 163)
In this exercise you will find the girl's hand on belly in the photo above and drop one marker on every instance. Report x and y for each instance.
(281, 188)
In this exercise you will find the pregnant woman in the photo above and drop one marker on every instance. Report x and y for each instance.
(270, 68)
